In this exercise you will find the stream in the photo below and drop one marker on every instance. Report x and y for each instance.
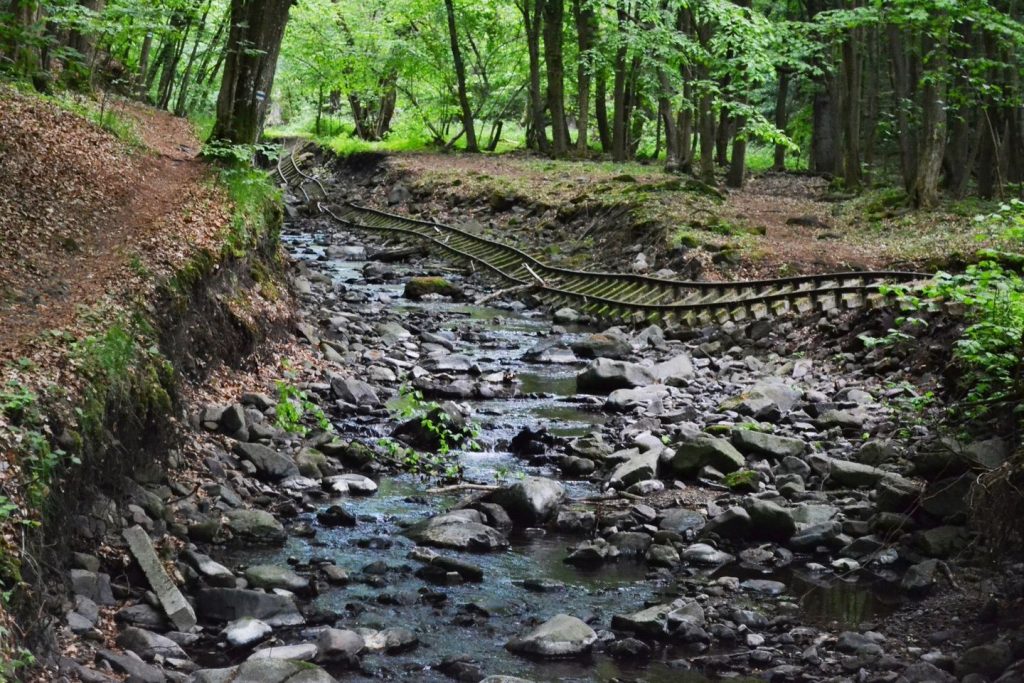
(530, 580)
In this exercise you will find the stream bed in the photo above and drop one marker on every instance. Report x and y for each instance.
(530, 581)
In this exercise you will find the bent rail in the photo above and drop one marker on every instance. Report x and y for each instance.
(621, 296)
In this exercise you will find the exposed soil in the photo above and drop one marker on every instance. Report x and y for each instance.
(85, 220)
(589, 215)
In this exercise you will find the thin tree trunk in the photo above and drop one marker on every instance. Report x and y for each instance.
(586, 36)
(601, 112)
(532, 15)
(186, 78)
(619, 124)
(460, 79)
(933, 137)
(781, 117)
(903, 94)
(851, 109)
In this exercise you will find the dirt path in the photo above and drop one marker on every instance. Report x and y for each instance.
(84, 218)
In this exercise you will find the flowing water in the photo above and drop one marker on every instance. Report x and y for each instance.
(477, 619)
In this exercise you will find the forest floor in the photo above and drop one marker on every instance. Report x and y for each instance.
(577, 213)
(88, 221)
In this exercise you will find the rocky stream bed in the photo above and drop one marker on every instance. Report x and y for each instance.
(642, 506)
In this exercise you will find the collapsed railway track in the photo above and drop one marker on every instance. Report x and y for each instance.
(619, 296)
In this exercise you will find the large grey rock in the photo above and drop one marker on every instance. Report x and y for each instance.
(272, 576)
(266, 671)
(639, 467)
(560, 636)
(921, 578)
(608, 344)
(988, 660)
(675, 371)
(354, 391)
(702, 553)
(459, 530)
(681, 520)
(93, 585)
(733, 523)
(136, 670)
(246, 632)
(270, 465)
(701, 451)
(255, 526)
(299, 652)
(531, 500)
(605, 376)
(337, 645)
(149, 645)
(769, 520)
(213, 573)
(942, 541)
(175, 606)
(838, 472)
(650, 398)
(350, 484)
(231, 604)
(924, 672)
(768, 400)
(758, 443)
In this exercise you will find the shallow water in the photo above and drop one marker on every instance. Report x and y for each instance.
(478, 619)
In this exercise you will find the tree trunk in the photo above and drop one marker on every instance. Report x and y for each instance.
(601, 112)
(554, 11)
(738, 166)
(254, 42)
(781, 118)
(586, 36)
(460, 80)
(619, 124)
(903, 89)
(850, 109)
(933, 134)
(147, 46)
(536, 137)
(824, 155)
(673, 157)
(186, 78)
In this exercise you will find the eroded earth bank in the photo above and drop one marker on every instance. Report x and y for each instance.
(414, 486)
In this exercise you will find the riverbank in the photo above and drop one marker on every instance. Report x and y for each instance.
(131, 268)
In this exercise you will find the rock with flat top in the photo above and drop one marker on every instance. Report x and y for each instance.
(175, 606)
(560, 636)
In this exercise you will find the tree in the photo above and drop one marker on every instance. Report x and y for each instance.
(257, 27)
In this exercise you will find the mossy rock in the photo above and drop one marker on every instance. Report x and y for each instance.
(419, 287)
(743, 481)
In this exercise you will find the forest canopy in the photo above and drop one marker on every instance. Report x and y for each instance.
(923, 94)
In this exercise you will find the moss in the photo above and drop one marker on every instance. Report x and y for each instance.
(743, 480)
(418, 287)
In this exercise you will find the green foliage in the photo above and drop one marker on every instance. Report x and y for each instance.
(436, 422)
(294, 407)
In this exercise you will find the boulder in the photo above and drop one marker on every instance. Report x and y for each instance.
(733, 523)
(177, 609)
(231, 604)
(459, 530)
(255, 526)
(639, 467)
(681, 520)
(605, 376)
(337, 645)
(266, 670)
(769, 520)
(246, 632)
(349, 484)
(609, 344)
(702, 451)
(270, 576)
(531, 500)
(419, 287)
(846, 473)
(752, 442)
(560, 636)
(674, 372)
(300, 652)
(149, 645)
(270, 465)
(354, 392)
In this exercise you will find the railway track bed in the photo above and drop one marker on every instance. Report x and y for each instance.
(621, 297)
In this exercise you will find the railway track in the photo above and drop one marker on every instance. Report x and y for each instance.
(620, 296)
